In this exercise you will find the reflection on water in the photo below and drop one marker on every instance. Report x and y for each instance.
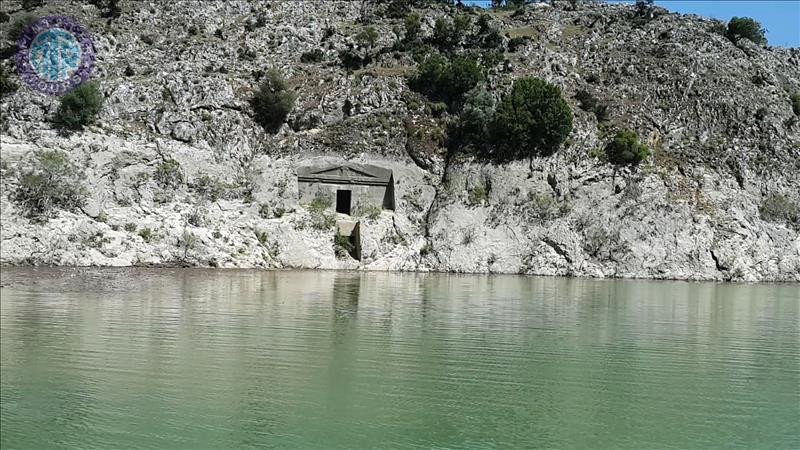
(222, 359)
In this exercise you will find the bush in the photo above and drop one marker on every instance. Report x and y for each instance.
(448, 34)
(209, 188)
(168, 174)
(130, 227)
(795, 98)
(625, 149)
(146, 234)
(747, 28)
(533, 119)
(367, 37)
(516, 43)
(79, 107)
(17, 27)
(781, 209)
(446, 80)
(477, 195)
(51, 182)
(588, 102)
(272, 102)
(314, 56)
(6, 85)
(413, 28)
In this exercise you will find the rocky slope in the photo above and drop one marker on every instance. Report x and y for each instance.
(716, 116)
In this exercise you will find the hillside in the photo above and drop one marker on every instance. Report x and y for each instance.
(177, 170)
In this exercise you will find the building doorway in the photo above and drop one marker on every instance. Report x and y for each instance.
(343, 201)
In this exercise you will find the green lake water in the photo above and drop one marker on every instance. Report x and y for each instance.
(194, 359)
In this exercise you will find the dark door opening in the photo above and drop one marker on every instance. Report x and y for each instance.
(343, 202)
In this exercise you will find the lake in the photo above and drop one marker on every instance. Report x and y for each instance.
(172, 358)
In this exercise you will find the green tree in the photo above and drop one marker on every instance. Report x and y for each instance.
(625, 149)
(475, 119)
(79, 107)
(747, 28)
(531, 120)
(273, 102)
(447, 80)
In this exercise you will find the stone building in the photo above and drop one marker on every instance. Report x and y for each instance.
(347, 185)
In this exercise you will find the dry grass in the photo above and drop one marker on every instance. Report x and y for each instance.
(397, 71)
(523, 31)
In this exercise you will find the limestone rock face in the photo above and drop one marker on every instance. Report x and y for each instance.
(177, 172)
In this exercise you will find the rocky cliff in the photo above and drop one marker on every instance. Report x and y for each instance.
(177, 77)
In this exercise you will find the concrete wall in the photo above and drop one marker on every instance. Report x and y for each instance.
(360, 194)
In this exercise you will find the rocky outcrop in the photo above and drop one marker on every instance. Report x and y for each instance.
(715, 114)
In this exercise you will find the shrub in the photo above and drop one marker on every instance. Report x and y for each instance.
(50, 182)
(625, 149)
(588, 102)
(79, 107)
(209, 188)
(146, 234)
(781, 209)
(17, 27)
(320, 202)
(7, 86)
(367, 37)
(314, 56)
(747, 28)
(342, 246)
(130, 227)
(516, 43)
(413, 28)
(371, 212)
(447, 80)
(168, 174)
(477, 195)
(448, 34)
(533, 119)
(272, 102)
(795, 98)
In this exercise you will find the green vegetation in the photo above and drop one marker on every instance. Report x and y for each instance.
(780, 209)
(7, 86)
(450, 33)
(130, 227)
(314, 56)
(50, 182)
(17, 27)
(625, 149)
(588, 102)
(477, 195)
(146, 234)
(795, 99)
(746, 28)
(531, 120)
(447, 80)
(518, 42)
(413, 26)
(342, 246)
(169, 174)
(369, 211)
(208, 187)
(475, 119)
(367, 37)
(320, 202)
(272, 102)
(79, 107)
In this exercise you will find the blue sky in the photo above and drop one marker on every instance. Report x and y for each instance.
(781, 18)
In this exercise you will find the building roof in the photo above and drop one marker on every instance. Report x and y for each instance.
(345, 174)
